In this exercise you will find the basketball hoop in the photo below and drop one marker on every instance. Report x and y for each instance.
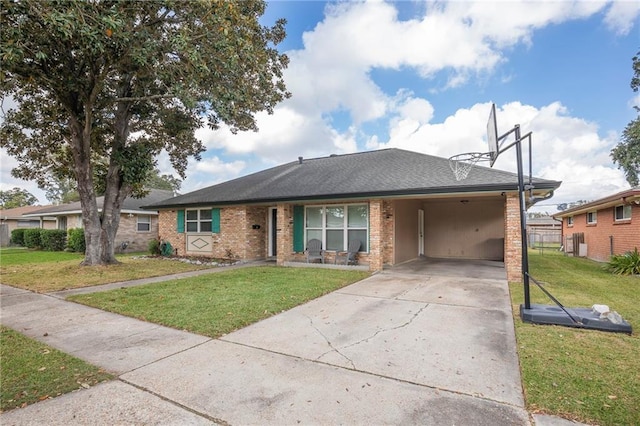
(461, 164)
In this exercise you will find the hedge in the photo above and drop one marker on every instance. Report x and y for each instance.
(32, 238)
(17, 236)
(75, 240)
(53, 239)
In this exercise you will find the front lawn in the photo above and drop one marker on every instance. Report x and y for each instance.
(32, 371)
(46, 271)
(216, 304)
(585, 375)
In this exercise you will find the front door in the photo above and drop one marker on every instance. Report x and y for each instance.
(273, 231)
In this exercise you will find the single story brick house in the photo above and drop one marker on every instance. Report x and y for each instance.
(610, 225)
(137, 226)
(399, 204)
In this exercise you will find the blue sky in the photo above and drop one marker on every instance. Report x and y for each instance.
(421, 76)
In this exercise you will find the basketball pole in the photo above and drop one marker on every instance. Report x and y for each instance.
(523, 203)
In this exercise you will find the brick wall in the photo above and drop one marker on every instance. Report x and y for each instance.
(284, 236)
(598, 236)
(128, 232)
(168, 231)
(512, 238)
(376, 234)
(388, 232)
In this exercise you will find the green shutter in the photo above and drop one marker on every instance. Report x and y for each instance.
(180, 226)
(298, 229)
(215, 221)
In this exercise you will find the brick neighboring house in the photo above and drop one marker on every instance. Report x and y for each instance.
(400, 204)
(11, 219)
(610, 225)
(137, 226)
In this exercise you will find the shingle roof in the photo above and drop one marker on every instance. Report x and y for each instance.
(384, 172)
(129, 205)
(626, 196)
(16, 213)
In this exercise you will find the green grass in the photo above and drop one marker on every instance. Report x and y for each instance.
(22, 256)
(585, 375)
(32, 371)
(43, 271)
(216, 304)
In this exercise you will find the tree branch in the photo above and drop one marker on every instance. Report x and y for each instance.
(143, 98)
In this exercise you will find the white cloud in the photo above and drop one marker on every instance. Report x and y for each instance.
(8, 182)
(565, 148)
(621, 15)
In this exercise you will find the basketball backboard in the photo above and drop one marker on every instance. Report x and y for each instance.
(492, 135)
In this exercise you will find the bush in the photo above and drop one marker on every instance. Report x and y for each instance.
(32, 238)
(75, 240)
(17, 236)
(154, 247)
(53, 239)
(625, 264)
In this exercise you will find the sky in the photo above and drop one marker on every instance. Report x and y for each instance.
(422, 76)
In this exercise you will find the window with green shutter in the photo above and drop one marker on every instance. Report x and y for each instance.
(298, 229)
(180, 224)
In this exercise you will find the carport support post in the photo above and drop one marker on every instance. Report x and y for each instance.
(523, 218)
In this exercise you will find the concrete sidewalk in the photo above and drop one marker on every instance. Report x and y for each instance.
(371, 353)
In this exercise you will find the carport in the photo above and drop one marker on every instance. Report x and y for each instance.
(468, 227)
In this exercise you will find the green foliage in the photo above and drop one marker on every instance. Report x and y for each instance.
(75, 240)
(103, 87)
(16, 197)
(31, 371)
(62, 190)
(53, 239)
(154, 247)
(159, 181)
(627, 153)
(625, 264)
(32, 238)
(17, 236)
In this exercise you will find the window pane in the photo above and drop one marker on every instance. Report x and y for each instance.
(192, 226)
(627, 212)
(143, 227)
(205, 214)
(359, 235)
(358, 216)
(335, 239)
(192, 214)
(205, 226)
(314, 234)
(335, 217)
(314, 217)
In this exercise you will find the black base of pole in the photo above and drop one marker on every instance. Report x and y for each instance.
(584, 318)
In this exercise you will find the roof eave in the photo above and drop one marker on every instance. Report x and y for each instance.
(543, 187)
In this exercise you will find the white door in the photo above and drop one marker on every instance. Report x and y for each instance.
(420, 232)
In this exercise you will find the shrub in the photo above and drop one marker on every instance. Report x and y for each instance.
(75, 240)
(17, 236)
(53, 239)
(625, 264)
(32, 238)
(154, 247)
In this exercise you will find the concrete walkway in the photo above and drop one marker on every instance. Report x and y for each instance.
(396, 348)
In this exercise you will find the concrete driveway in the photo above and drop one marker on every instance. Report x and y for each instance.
(401, 347)
(420, 344)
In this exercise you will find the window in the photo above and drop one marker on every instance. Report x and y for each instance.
(336, 225)
(199, 220)
(623, 212)
(144, 223)
(592, 218)
(570, 221)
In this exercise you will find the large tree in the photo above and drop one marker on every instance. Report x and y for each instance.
(627, 153)
(102, 87)
(16, 197)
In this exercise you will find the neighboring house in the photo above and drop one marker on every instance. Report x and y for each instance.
(400, 204)
(610, 225)
(544, 230)
(11, 219)
(137, 226)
